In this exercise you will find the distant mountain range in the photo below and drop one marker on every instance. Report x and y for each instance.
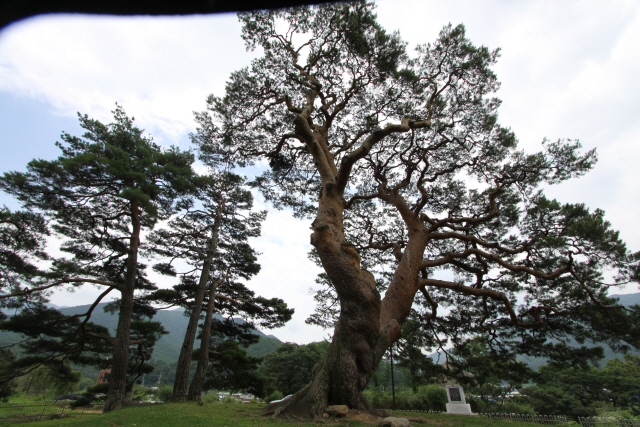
(168, 346)
(627, 299)
(535, 362)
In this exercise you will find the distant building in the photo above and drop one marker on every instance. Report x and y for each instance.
(244, 398)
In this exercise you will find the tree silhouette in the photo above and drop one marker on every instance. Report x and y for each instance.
(400, 161)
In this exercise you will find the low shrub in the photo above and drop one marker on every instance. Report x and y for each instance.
(164, 394)
(210, 398)
(427, 398)
(433, 397)
(511, 407)
(228, 399)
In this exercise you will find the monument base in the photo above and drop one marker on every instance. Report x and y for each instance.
(459, 408)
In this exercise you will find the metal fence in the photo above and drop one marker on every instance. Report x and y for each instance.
(548, 419)
(605, 421)
(538, 419)
(30, 411)
(425, 411)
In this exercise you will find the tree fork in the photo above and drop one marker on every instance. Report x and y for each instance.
(181, 385)
(372, 99)
(367, 325)
(195, 389)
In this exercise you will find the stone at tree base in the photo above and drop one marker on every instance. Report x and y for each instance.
(325, 415)
(394, 422)
(338, 410)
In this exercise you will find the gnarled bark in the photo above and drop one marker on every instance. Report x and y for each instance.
(405, 145)
(367, 325)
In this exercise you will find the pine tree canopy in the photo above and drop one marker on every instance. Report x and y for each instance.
(399, 159)
(97, 197)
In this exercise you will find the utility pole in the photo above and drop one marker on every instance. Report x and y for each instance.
(393, 383)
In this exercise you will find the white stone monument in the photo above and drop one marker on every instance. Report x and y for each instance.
(457, 404)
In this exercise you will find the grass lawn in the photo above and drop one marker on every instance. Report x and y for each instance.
(241, 415)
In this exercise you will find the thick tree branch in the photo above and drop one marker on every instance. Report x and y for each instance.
(498, 296)
(474, 239)
(491, 257)
(349, 160)
(60, 282)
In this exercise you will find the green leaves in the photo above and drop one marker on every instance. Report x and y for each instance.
(53, 334)
(621, 379)
(110, 161)
(234, 371)
(580, 391)
(291, 365)
(103, 190)
(22, 243)
(412, 147)
(99, 184)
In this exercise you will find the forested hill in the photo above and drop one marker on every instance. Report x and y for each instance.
(535, 362)
(168, 347)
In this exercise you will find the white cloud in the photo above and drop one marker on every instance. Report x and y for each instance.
(159, 69)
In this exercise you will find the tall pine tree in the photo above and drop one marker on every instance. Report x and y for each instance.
(100, 194)
(211, 237)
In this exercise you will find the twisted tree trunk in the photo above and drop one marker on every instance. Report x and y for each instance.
(367, 325)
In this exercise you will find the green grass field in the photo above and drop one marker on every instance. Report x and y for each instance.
(240, 415)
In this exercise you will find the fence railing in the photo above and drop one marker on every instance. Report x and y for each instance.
(423, 411)
(606, 421)
(28, 411)
(538, 419)
(553, 419)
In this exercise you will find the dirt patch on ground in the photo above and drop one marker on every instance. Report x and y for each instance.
(427, 420)
(371, 419)
(363, 417)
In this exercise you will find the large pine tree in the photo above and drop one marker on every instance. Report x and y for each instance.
(100, 194)
(401, 163)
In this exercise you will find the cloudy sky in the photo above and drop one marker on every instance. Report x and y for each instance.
(568, 70)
